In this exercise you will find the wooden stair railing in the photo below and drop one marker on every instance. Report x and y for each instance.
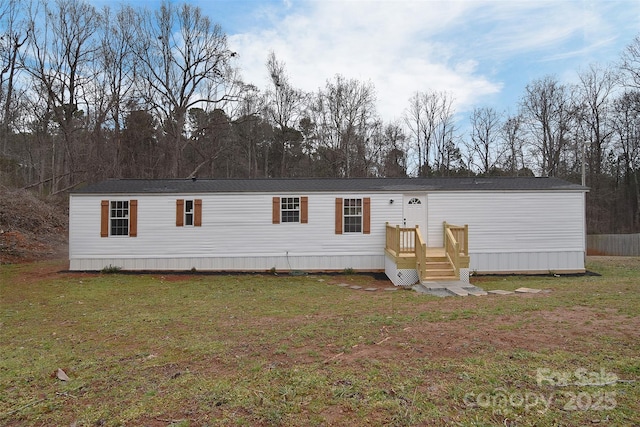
(400, 240)
(456, 246)
(404, 243)
(421, 255)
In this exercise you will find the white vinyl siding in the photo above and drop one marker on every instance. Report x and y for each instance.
(235, 241)
(508, 231)
(514, 231)
(526, 222)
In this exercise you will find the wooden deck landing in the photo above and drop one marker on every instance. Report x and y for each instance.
(435, 252)
(431, 253)
(410, 251)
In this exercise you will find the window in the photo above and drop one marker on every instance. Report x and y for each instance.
(290, 209)
(119, 218)
(188, 212)
(414, 201)
(352, 215)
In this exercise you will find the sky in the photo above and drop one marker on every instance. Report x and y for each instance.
(483, 53)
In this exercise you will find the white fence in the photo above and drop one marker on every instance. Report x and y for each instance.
(613, 244)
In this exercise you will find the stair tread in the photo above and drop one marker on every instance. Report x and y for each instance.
(439, 278)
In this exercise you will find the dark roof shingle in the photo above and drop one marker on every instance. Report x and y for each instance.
(310, 185)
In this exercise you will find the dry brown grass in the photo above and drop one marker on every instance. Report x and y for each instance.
(197, 350)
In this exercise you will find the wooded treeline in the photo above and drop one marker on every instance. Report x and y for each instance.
(89, 94)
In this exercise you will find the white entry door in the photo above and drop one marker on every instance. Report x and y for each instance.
(415, 212)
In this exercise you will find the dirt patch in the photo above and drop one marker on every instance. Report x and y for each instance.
(17, 247)
(32, 228)
(377, 281)
(568, 329)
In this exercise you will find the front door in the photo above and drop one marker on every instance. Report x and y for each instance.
(415, 212)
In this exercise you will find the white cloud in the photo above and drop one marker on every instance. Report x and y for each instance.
(479, 50)
(385, 42)
(406, 46)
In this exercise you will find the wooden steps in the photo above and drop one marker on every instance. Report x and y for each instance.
(438, 267)
(409, 251)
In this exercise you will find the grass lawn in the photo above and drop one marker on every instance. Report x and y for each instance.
(196, 350)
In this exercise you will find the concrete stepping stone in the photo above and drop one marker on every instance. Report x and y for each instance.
(343, 285)
(444, 285)
(356, 287)
(371, 289)
(458, 291)
(476, 292)
(527, 290)
(500, 292)
(390, 289)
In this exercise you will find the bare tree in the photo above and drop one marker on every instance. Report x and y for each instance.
(183, 58)
(626, 124)
(60, 59)
(114, 96)
(420, 118)
(251, 132)
(485, 147)
(415, 122)
(593, 98)
(548, 111)
(430, 120)
(343, 113)
(512, 135)
(448, 155)
(283, 108)
(630, 64)
(12, 39)
(394, 151)
(627, 128)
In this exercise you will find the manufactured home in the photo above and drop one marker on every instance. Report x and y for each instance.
(411, 228)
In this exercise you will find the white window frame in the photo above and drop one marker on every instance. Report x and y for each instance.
(290, 209)
(352, 208)
(189, 214)
(120, 214)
